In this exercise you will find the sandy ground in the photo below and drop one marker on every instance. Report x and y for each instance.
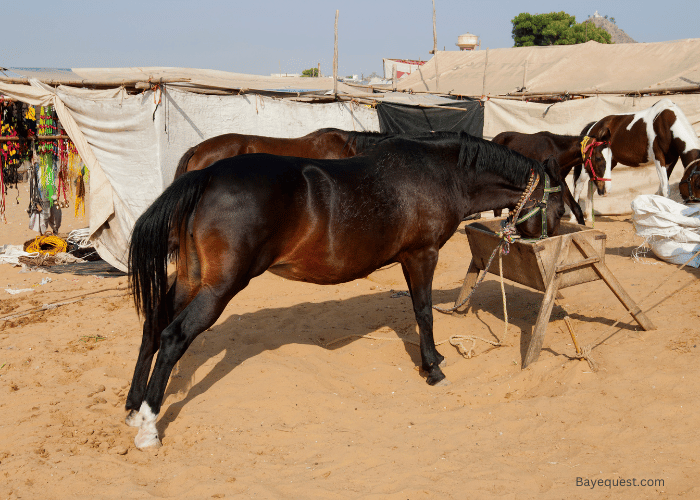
(262, 407)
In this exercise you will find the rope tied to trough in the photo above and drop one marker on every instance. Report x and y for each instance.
(581, 352)
(586, 354)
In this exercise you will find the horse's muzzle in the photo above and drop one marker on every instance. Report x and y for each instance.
(601, 188)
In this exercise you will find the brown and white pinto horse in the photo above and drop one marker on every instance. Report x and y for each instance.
(322, 144)
(566, 150)
(658, 135)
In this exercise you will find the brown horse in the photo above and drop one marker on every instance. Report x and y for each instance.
(322, 144)
(658, 135)
(566, 150)
(319, 221)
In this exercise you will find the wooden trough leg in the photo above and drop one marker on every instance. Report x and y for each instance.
(614, 285)
(553, 279)
(469, 281)
(533, 350)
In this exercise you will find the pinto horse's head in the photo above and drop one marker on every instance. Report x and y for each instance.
(542, 212)
(689, 185)
(595, 163)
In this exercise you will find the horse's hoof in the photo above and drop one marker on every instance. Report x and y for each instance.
(443, 383)
(435, 376)
(148, 439)
(133, 419)
(442, 363)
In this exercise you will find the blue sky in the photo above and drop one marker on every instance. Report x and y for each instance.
(262, 37)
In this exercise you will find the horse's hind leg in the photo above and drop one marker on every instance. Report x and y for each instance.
(418, 269)
(150, 342)
(200, 314)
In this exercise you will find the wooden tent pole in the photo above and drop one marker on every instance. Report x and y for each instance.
(335, 57)
(434, 32)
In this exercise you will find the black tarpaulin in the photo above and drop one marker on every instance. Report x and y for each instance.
(406, 119)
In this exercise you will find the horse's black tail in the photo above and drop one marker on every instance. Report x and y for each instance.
(149, 248)
(184, 160)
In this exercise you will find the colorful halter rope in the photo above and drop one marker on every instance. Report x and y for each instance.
(541, 206)
(588, 144)
(693, 172)
(508, 230)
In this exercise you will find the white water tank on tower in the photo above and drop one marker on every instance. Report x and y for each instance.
(467, 41)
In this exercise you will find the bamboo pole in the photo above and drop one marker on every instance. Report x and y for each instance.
(483, 84)
(335, 57)
(99, 83)
(434, 51)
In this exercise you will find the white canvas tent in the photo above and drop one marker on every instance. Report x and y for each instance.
(586, 69)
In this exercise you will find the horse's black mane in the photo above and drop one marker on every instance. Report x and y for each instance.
(487, 156)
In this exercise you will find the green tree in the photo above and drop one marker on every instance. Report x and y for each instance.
(310, 72)
(555, 28)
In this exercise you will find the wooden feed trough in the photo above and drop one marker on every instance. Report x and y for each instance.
(574, 257)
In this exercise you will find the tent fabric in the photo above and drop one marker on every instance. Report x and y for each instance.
(403, 119)
(570, 117)
(148, 150)
(587, 68)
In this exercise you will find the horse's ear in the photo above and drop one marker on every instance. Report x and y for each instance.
(604, 135)
(552, 167)
(587, 128)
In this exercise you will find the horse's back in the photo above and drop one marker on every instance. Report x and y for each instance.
(318, 220)
(537, 146)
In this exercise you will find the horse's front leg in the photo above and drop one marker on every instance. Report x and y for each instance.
(418, 268)
(607, 154)
(579, 184)
(661, 171)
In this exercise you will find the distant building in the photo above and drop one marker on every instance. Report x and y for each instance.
(403, 67)
(468, 42)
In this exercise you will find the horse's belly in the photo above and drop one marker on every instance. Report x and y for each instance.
(321, 273)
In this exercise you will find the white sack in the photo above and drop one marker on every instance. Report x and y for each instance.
(671, 229)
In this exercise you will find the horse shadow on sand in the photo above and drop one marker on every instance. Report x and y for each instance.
(333, 324)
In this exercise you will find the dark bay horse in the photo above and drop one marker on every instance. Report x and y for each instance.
(566, 150)
(658, 135)
(318, 221)
(325, 143)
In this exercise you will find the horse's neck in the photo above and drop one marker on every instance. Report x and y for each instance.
(492, 193)
(691, 158)
(571, 156)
